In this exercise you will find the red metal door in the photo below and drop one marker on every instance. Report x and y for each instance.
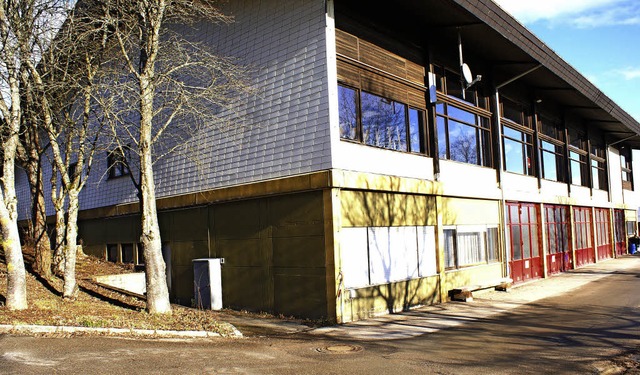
(559, 253)
(619, 232)
(522, 225)
(603, 233)
(585, 252)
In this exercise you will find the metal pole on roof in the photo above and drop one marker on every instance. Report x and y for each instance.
(517, 77)
(463, 84)
(623, 139)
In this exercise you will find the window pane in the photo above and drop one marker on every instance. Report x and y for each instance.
(512, 133)
(469, 249)
(492, 245)
(347, 112)
(526, 242)
(442, 137)
(486, 148)
(463, 143)
(514, 214)
(127, 253)
(112, 253)
(535, 251)
(524, 214)
(383, 122)
(415, 129)
(576, 172)
(516, 242)
(449, 248)
(550, 171)
(461, 115)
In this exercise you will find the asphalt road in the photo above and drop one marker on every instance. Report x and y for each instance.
(594, 329)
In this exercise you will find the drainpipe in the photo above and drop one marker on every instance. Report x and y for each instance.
(500, 170)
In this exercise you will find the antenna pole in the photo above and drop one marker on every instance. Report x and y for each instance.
(463, 84)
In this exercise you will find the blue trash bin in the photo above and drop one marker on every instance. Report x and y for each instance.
(632, 247)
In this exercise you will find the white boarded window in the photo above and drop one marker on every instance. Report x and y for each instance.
(355, 258)
(393, 254)
(380, 255)
(426, 251)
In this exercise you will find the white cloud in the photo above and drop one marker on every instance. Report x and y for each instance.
(629, 73)
(580, 13)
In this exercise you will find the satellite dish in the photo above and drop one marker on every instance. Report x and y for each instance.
(466, 73)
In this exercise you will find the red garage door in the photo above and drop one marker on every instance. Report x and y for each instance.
(603, 233)
(585, 253)
(522, 226)
(619, 232)
(559, 257)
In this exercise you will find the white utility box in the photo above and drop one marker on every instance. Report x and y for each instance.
(207, 283)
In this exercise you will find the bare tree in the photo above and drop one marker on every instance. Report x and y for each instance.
(170, 87)
(11, 36)
(64, 85)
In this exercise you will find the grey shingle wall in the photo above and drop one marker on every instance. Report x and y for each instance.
(282, 131)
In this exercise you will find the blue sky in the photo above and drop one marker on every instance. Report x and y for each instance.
(600, 38)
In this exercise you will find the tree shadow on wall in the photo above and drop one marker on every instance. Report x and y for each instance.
(386, 203)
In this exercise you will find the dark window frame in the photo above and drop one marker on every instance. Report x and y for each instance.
(626, 168)
(578, 157)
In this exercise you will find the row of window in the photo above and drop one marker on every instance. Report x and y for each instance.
(380, 122)
(464, 133)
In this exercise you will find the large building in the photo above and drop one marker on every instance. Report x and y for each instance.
(374, 172)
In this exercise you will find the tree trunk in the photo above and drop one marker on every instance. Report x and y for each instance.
(58, 254)
(155, 268)
(41, 242)
(70, 286)
(16, 281)
(16, 275)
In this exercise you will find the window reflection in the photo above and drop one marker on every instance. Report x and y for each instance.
(463, 136)
(383, 122)
(347, 109)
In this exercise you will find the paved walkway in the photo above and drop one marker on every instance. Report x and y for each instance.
(433, 318)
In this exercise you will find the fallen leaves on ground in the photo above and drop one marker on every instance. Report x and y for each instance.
(95, 306)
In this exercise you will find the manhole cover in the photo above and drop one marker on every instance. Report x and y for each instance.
(340, 349)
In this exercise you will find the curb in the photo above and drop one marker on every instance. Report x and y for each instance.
(151, 333)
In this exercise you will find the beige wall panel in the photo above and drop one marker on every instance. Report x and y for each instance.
(182, 284)
(92, 232)
(183, 252)
(242, 253)
(472, 276)
(297, 215)
(296, 293)
(265, 241)
(238, 220)
(299, 252)
(112, 230)
(459, 211)
(187, 225)
(360, 208)
(389, 298)
(246, 288)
